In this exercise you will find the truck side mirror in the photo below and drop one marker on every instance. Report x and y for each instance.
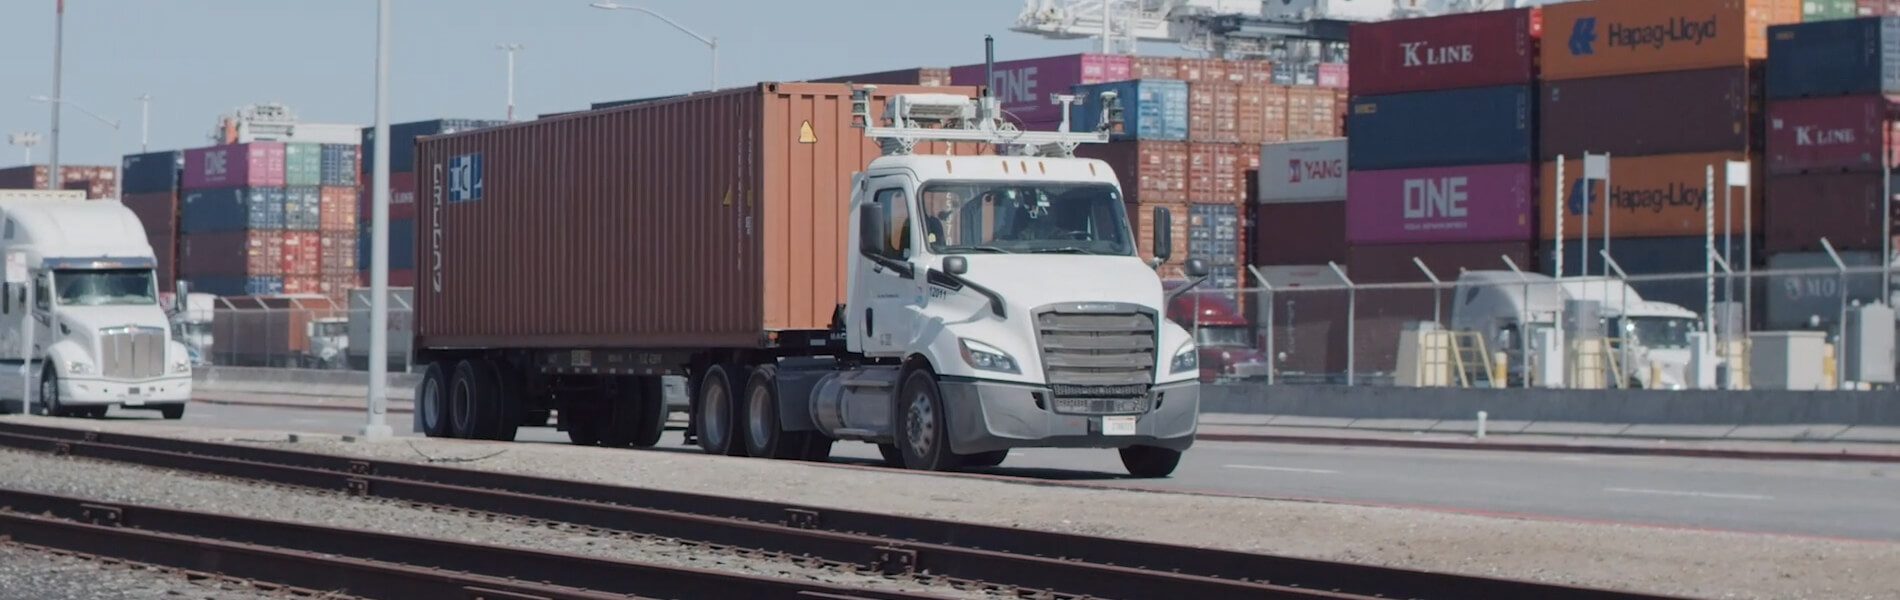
(1164, 234)
(956, 265)
(871, 233)
(1196, 268)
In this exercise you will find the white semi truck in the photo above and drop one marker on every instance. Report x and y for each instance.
(1655, 334)
(1511, 311)
(81, 328)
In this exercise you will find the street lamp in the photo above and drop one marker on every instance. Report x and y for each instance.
(510, 49)
(26, 139)
(710, 42)
(52, 176)
(377, 403)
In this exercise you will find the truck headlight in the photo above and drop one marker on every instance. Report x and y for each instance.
(985, 357)
(78, 368)
(181, 365)
(1188, 358)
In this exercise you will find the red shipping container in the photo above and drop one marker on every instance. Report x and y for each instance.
(303, 253)
(1304, 233)
(231, 254)
(337, 208)
(1311, 113)
(302, 284)
(158, 211)
(1150, 171)
(1845, 208)
(1217, 173)
(339, 253)
(1709, 110)
(1209, 70)
(1155, 67)
(338, 287)
(1467, 50)
(98, 181)
(1273, 115)
(1466, 203)
(1213, 109)
(1250, 71)
(1848, 133)
(1334, 75)
(251, 164)
(1023, 86)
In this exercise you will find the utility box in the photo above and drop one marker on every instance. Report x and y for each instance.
(1788, 360)
(1868, 356)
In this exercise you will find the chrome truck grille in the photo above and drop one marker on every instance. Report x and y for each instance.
(1099, 357)
(132, 352)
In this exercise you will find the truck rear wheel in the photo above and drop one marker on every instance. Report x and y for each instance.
(764, 437)
(474, 410)
(432, 401)
(506, 403)
(1149, 462)
(714, 413)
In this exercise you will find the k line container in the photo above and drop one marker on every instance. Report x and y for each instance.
(1298, 234)
(1650, 196)
(1452, 127)
(696, 222)
(1152, 109)
(1023, 86)
(1834, 58)
(1801, 300)
(1480, 49)
(402, 197)
(1843, 133)
(231, 209)
(1466, 203)
(253, 164)
(153, 172)
(1150, 171)
(1686, 256)
(1843, 207)
(1601, 38)
(1306, 171)
(1705, 110)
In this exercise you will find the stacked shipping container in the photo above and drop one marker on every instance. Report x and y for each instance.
(151, 191)
(99, 181)
(265, 218)
(1298, 209)
(402, 195)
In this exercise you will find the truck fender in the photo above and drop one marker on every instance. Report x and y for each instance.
(797, 377)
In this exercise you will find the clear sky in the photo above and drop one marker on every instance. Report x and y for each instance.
(200, 59)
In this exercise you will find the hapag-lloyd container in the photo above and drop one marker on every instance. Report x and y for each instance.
(1152, 109)
(1471, 126)
(1845, 133)
(702, 221)
(1707, 110)
(1305, 171)
(1651, 196)
(251, 164)
(1154, 172)
(1845, 208)
(1023, 86)
(1601, 38)
(1466, 203)
(1479, 49)
(1834, 58)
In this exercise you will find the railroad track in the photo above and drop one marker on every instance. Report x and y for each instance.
(1030, 563)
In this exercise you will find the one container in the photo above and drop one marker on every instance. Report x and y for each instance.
(231, 209)
(1601, 38)
(303, 164)
(1651, 196)
(302, 208)
(1312, 113)
(252, 164)
(1647, 260)
(1466, 203)
(402, 140)
(1479, 49)
(1845, 208)
(1805, 290)
(231, 253)
(337, 206)
(1708, 110)
(1152, 109)
(339, 165)
(928, 76)
(158, 211)
(1305, 171)
(152, 172)
(402, 197)
(1298, 234)
(1453, 127)
(1217, 172)
(1834, 58)
(1844, 133)
(1214, 111)
(1154, 172)
(1023, 86)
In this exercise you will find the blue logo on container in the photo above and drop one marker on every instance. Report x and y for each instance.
(1583, 36)
(1581, 196)
(465, 178)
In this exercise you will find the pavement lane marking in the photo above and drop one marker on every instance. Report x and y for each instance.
(1686, 493)
(1283, 469)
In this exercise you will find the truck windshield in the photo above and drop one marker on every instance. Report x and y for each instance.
(1662, 332)
(104, 287)
(333, 329)
(1223, 336)
(963, 217)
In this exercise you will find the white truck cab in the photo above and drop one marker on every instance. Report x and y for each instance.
(1656, 334)
(81, 327)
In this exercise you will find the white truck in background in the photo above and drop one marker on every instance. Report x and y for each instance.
(81, 328)
(191, 314)
(1501, 306)
(1655, 335)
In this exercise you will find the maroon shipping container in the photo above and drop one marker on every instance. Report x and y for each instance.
(165, 251)
(250, 164)
(1846, 133)
(1155, 67)
(303, 253)
(1708, 110)
(934, 76)
(1152, 172)
(1843, 207)
(1304, 233)
(1312, 113)
(703, 221)
(98, 181)
(157, 210)
(1382, 314)
(397, 278)
(1211, 70)
(1480, 49)
(231, 254)
(1213, 112)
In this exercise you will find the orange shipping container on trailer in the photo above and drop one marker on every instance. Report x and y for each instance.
(1650, 196)
(1600, 38)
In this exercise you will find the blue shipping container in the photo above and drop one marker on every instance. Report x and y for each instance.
(1152, 109)
(339, 165)
(301, 208)
(153, 172)
(1685, 256)
(402, 140)
(231, 209)
(1845, 57)
(402, 245)
(1470, 126)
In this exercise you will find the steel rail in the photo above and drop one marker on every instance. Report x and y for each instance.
(1023, 558)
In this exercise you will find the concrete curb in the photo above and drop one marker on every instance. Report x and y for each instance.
(328, 407)
(1731, 453)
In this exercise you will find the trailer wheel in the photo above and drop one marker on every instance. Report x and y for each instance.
(432, 401)
(764, 438)
(715, 413)
(921, 434)
(626, 422)
(170, 412)
(506, 401)
(582, 424)
(1150, 462)
(473, 409)
(651, 424)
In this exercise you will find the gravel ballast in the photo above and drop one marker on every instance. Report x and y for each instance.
(1701, 564)
(27, 574)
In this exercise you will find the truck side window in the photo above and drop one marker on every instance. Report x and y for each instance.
(897, 222)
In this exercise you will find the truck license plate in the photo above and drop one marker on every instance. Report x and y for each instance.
(1118, 426)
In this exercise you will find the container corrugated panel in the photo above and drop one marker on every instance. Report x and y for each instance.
(1686, 256)
(1601, 38)
(153, 172)
(1214, 236)
(1213, 111)
(1845, 208)
(1709, 110)
(402, 140)
(1312, 113)
(158, 211)
(338, 254)
(1150, 171)
(231, 209)
(402, 244)
(339, 165)
(1274, 112)
(1211, 70)
(1250, 71)
(1298, 234)
(931, 76)
(1804, 300)
(1479, 49)
(1141, 216)
(302, 284)
(231, 253)
(1432, 129)
(1217, 172)
(1651, 196)
(336, 287)
(1834, 58)
(1250, 124)
(303, 208)
(1383, 314)
(402, 197)
(1824, 10)
(614, 103)
(1464, 203)
(337, 208)
(1307, 171)
(1152, 109)
(253, 164)
(1155, 67)
(303, 164)
(1846, 133)
(165, 251)
(99, 181)
(303, 253)
(1023, 86)
(650, 207)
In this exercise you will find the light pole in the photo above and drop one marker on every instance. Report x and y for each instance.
(510, 49)
(26, 139)
(59, 45)
(377, 427)
(710, 42)
(52, 177)
(145, 123)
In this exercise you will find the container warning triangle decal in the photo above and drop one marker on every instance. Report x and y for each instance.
(806, 135)
(727, 200)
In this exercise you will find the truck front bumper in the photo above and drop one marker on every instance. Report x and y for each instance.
(94, 392)
(985, 416)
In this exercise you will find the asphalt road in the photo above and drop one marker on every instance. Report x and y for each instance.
(1809, 498)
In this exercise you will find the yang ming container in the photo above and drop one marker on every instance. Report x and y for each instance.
(1480, 49)
(1650, 196)
(1601, 38)
(1834, 58)
(704, 221)
(153, 172)
(1844, 133)
(1466, 203)
(253, 164)
(1705, 110)
(1152, 109)
(1023, 86)
(1845, 208)
(1307, 171)
(1472, 126)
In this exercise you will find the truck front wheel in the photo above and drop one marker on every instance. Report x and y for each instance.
(1150, 462)
(49, 395)
(920, 427)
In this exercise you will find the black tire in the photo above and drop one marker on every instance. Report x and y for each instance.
(506, 401)
(472, 405)
(432, 401)
(921, 434)
(171, 412)
(1150, 462)
(582, 424)
(48, 400)
(892, 456)
(984, 459)
(626, 423)
(535, 418)
(764, 437)
(716, 425)
(817, 447)
(653, 413)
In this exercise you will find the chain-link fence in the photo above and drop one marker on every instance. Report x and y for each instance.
(306, 332)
